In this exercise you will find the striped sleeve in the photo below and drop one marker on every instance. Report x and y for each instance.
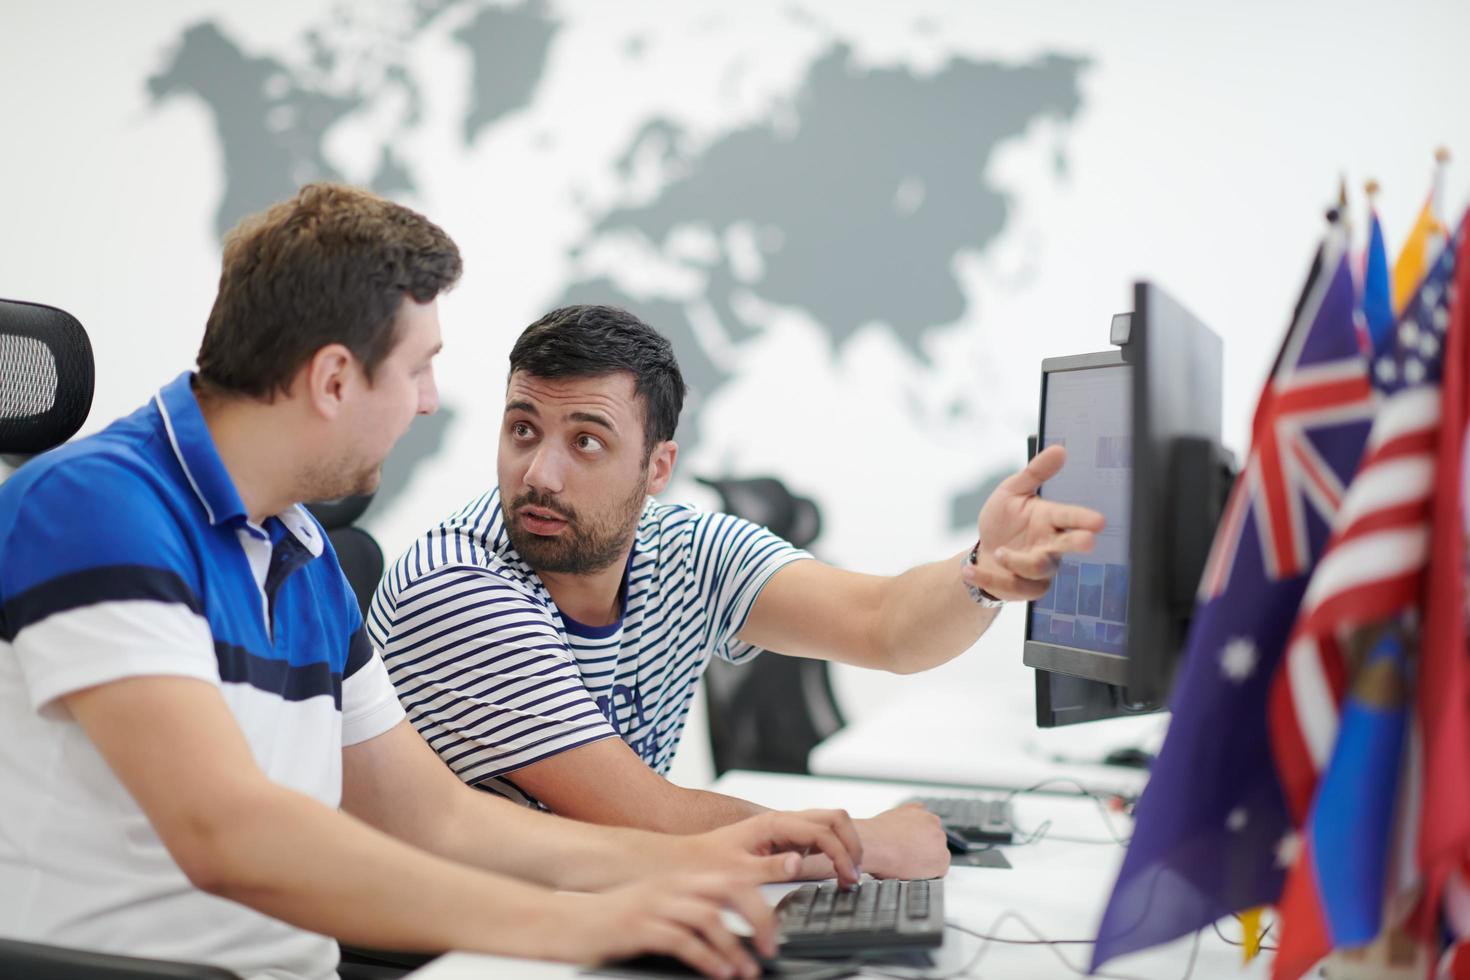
(97, 583)
(733, 560)
(484, 673)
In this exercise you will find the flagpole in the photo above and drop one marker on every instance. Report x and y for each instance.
(1436, 193)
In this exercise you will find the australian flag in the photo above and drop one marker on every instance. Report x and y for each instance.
(1213, 835)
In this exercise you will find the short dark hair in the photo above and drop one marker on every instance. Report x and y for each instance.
(329, 266)
(588, 341)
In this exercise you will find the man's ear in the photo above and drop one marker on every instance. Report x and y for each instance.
(326, 377)
(661, 465)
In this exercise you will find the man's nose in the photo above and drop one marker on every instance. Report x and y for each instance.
(545, 471)
(429, 398)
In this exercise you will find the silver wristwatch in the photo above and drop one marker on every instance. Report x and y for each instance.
(985, 599)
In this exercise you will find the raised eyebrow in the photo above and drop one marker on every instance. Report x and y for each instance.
(594, 419)
(521, 406)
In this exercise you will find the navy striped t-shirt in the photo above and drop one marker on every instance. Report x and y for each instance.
(495, 677)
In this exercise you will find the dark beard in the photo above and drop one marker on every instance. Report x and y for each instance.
(582, 548)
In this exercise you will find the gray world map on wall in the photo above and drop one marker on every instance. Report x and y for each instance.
(855, 203)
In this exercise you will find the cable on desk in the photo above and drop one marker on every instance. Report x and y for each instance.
(1235, 942)
(988, 937)
(1042, 831)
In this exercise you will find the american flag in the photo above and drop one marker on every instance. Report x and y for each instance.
(1212, 824)
(1341, 782)
(1442, 702)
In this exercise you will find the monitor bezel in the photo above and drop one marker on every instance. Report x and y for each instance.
(1094, 665)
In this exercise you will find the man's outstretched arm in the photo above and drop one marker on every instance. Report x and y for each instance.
(925, 616)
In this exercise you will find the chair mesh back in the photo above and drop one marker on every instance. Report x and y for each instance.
(770, 712)
(46, 377)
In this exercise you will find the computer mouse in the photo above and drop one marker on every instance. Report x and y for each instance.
(1131, 756)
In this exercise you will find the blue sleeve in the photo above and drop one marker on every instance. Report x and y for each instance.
(97, 579)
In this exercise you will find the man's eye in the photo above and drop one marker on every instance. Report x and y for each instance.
(589, 444)
(521, 430)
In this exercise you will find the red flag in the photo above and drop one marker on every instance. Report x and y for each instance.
(1444, 673)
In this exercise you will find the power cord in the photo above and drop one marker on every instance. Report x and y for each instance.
(1043, 830)
(1265, 946)
(989, 937)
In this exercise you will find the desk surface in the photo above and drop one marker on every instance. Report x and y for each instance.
(950, 736)
(1058, 886)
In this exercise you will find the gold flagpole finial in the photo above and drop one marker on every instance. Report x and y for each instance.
(1342, 192)
(1442, 155)
(1371, 189)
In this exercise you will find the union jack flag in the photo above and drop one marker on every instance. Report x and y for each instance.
(1212, 829)
(1287, 473)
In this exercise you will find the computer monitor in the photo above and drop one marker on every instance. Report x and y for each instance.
(1141, 425)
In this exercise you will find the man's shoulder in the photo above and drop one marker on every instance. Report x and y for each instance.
(104, 481)
(96, 516)
(674, 529)
(466, 554)
(667, 522)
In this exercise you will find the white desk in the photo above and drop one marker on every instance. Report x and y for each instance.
(949, 735)
(1059, 887)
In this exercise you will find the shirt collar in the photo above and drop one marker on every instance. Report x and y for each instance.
(195, 450)
(194, 447)
(303, 527)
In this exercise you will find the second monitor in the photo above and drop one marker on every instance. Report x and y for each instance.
(1141, 424)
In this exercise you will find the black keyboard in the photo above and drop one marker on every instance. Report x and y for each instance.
(875, 918)
(979, 820)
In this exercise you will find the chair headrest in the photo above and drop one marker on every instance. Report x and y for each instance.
(46, 376)
(340, 512)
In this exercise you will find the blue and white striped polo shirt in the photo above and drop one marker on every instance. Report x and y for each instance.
(129, 553)
(495, 677)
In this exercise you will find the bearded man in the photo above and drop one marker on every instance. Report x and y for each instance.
(548, 638)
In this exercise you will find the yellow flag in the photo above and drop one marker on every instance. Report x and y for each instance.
(1250, 925)
(1422, 246)
(1414, 258)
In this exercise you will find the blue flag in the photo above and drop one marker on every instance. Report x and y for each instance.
(1377, 290)
(1213, 835)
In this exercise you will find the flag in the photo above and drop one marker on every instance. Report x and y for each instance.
(1337, 888)
(1443, 699)
(1377, 301)
(1212, 835)
(1423, 245)
(1341, 772)
(1373, 566)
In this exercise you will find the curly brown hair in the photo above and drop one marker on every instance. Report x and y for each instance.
(329, 266)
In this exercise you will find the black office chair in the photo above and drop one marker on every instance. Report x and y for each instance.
(46, 377)
(359, 554)
(34, 961)
(362, 562)
(770, 712)
(46, 382)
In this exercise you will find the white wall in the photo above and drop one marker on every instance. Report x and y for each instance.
(1209, 140)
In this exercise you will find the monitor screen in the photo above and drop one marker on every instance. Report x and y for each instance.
(1089, 411)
